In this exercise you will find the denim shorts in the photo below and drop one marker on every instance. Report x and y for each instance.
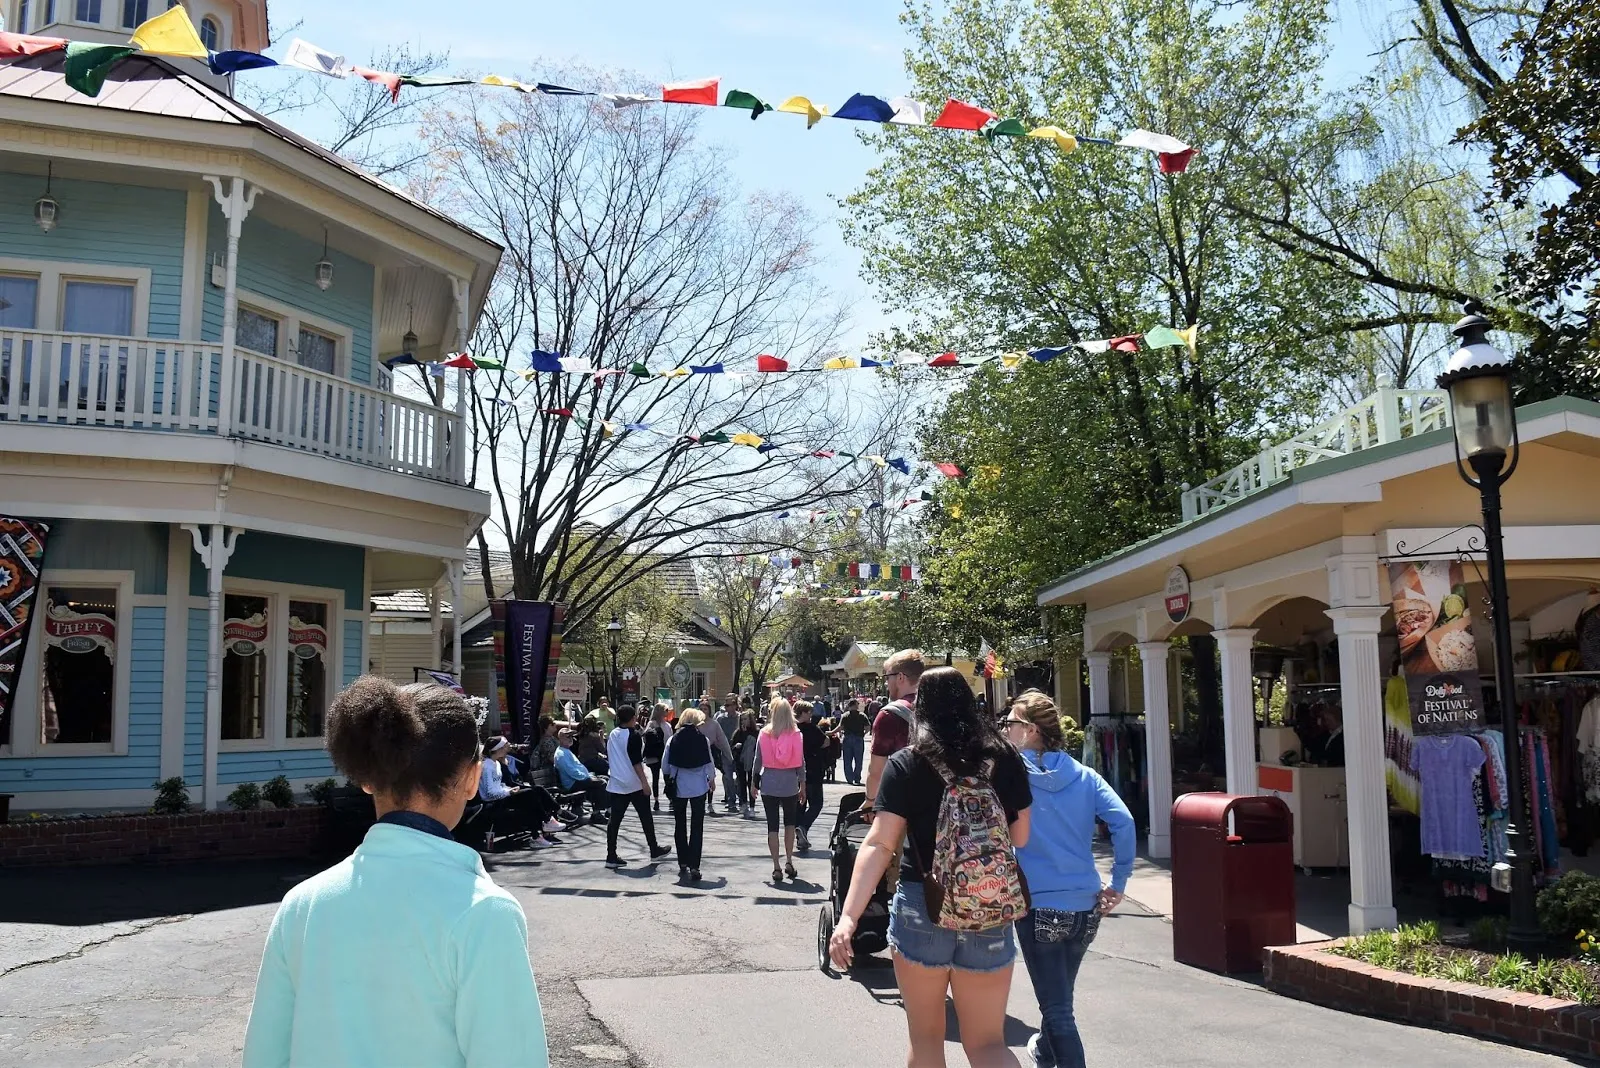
(915, 936)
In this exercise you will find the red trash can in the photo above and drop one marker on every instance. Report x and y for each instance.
(1232, 880)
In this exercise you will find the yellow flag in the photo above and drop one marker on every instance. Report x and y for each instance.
(1064, 141)
(799, 105)
(676, 372)
(755, 441)
(1010, 360)
(507, 83)
(853, 513)
(878, 460)
(169, 34)
(1190, 335)
(608, 429)
(839, 363)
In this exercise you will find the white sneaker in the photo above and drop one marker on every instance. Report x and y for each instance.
(542, 842)
(749, 813)
(553, 826)
(1034, 1054)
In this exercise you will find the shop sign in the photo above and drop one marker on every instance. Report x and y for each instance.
(1438, 654)
(679, 673)
(245, 637)
(71, 632)
(572, 686)
(1176, 595)
(308, 640)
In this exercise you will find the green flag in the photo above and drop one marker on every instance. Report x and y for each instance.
(88, 64)
(1163, 337)
(1005, 128)
(639, 370)
(738, 98)
(426, 81)
(487, 364)
(716, 437)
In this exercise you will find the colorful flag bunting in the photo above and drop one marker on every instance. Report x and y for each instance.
(405, 359)
(1175, 162)
(908, 112)
(1063, 140)
(507, 83)
(771, 363)
(1163, 337)
(874, 571)
(799, 105)
(234, 60)
(387, 79)
(949, 470)
(870, 363)
(958, 116)
(575, 364)
(1045, 355)
(170, 34)
(676, 372)
(565, 413)
(88, 64)
(1005, 128)
(840, 363)
(434, 81)
(560, 90)
(738, 98)
(307, 56)
(13, 45)
(434, 369)
(1012, 360)
(1127, 343)
(1095, 346)
(487, 364)
(945, 359)
(636, 426)
(877, 461)
(706, 369)
(1190, 335)
(628, 100)
(1172, 154)
(703, 91)
(545, 362)
(864, 108)
(639, 370)
(823, 454)
(461, 360)
(746, 438)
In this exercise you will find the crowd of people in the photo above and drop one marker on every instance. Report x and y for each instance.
(981, 834)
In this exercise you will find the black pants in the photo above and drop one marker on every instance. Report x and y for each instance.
(594, 792)
(523, 810)
(813, 803)
(619, 808)
(789, 806)
(655, 782)
(689, 819)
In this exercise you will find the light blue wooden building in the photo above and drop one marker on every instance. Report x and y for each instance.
(192, 397)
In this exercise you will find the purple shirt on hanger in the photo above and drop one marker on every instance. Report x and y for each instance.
(1446, 764)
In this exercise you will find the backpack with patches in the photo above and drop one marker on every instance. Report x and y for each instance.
(974, 882)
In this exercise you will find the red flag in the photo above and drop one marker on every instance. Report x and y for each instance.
(905, 573)
(949, 470)
(703, 91)
(794, 562)
(823, 454)
(563, 412)
(989, 665)
(462, 360)
(945, 359)
(1175, 162)
(771, 363)
(22, 44)
(958, 116)
(384, 78)
(855, 569)
(1127, 343)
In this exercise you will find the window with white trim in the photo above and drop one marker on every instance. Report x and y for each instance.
(278, 656)
(87, 11)
(279, 331)
(210, 33)
(134, 12)
(19, 301)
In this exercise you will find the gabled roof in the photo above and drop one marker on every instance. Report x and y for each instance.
(147, 85)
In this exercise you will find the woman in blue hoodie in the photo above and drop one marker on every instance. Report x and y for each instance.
(1058, 861)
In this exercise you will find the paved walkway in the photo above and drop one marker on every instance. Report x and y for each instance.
(156, 966)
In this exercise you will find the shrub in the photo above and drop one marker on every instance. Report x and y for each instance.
(279, 792)
(1509, 971)
(1569, 905)
(1408, 937)
(322, 792)
(245, 796)
(1574, 984)
(172, 797)
(1462, 970)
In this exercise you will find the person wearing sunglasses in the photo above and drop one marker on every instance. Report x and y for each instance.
(1068, 898)
(891, 728)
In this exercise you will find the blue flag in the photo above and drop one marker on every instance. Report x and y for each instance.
(706, 369)
(1046, 355)
(865, 109)
(234, 60)
(900, 465)
(545, 361)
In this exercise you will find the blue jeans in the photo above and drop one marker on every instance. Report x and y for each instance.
(855, 746)
(1053, 969)
(918, 938)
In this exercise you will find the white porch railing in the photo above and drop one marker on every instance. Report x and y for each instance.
(1388, 415)
(153, 384)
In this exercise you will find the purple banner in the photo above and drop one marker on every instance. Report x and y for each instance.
(21, 559)
(526, 663)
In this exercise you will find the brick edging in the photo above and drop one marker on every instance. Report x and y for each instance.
(1309, 973)
(263, 834)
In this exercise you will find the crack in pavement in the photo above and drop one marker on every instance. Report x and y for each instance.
(74, 954)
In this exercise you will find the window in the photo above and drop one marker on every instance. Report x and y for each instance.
(98, 308)
(308, 669)
(317, 351)
(210, 33)
(245, 633)
(19, 301)
(88, 11)
(78, 675)
(257, 332)
(134, 13)
(22, 16)
(287, 333)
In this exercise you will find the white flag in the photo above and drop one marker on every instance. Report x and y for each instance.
(629, 100)
(577, 364)
(308, 56)
(908, 112)
(1153, 142)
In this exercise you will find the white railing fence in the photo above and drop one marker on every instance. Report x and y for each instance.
(150, 384)
(1388, 415)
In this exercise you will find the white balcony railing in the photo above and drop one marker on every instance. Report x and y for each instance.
(1388, 415)
(152, 384)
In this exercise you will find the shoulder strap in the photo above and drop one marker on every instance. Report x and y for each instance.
(904, 710)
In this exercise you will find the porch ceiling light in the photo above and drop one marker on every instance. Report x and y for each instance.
(324, 266)
(46, 210)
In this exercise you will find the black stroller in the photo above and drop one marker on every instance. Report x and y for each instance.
(872, 931)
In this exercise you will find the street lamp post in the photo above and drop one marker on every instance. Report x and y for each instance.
(1484, 415)
(614, 640)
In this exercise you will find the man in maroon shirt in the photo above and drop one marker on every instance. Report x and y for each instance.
(891, 730)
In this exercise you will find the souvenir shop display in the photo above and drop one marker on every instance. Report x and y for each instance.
(1116, 749)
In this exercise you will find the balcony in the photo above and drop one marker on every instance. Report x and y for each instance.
(177, 387)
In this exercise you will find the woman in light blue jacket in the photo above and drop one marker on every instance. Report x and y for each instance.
(1063, 881)
(406, 953)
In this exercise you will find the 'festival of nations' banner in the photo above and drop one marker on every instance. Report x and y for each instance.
(524, 634)
(1438, 653)
(21, 558)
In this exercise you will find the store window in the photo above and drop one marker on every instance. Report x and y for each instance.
(78, 670)
(308, 675)
(245, 633)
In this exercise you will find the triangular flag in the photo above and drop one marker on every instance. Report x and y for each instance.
(22, 44)
(636, 426)
(945, 359)
(766, 447)
(234, 60)
(676, 372)
(908, 112)
(431, 81)
(170, 34)
(716, 437)
(823, 454)
(901, 465)
(1012, 360)
(461, 360)
(1163, 337)
(870, 363)
(949, 470)
(878, 461)
(565, 413)
(1175, 162)
(706, 369)
(1005, 128)
(628, 100)
(703, 91)
(507, 83)
(840, 363)
(1190, 335)
(910, 359)
(1045, 355)
(742, 438)
(1064, 141)
(545, 361)
(608, 429)
(308, 56)
(864, 108)
(1095, 346)
(576, 364)
(560, 90)
(799, 105)
(388, 79)
(486, 364)
(874, 504)
(738, 98)
(405, 359)
(434, 369)
(958, 116)
(771, 363)
(639, 370)
(88, 64)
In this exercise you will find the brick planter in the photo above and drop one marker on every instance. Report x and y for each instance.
(273, 833)
(1309, 973)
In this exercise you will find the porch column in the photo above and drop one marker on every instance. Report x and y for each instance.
(435, 631)
(235, 204)
(455, 567)
(1238, 708)
(1158, 745)
(1361, 694)
(214, 554)
(1099, 686)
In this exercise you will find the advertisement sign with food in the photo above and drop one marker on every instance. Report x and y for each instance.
(1438, 653)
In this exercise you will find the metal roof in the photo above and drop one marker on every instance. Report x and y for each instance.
(148, 85)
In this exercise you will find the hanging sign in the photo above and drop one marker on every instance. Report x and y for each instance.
(21, 557)
(1176, 595)
(75, 632)
(308, 641)
(679, 673)
(1438, 653)
(245, 637)
(525, 662)
(572, 686)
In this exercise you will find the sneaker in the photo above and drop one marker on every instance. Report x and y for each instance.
(694, 875)
(659, 852)
(552, 826)
(788, 869)
(615, 862)
(542, 842)
(1035, 1054)
(568, 817)
(803, 842)
(749, 813)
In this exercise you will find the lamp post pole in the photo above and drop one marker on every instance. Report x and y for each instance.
(614, 640)
(1485, 421)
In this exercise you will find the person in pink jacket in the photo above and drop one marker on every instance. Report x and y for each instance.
(780, 761)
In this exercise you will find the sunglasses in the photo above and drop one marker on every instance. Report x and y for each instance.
(1017, 723)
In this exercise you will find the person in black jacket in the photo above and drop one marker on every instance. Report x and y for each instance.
(816, 746)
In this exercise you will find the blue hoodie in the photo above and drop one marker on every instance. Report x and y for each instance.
(1059, 857)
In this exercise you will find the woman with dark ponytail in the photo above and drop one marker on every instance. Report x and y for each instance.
(411, 907)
